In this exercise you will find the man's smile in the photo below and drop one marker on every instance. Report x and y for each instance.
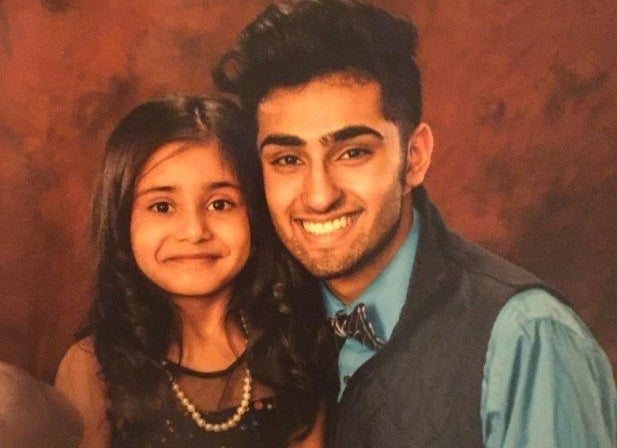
(319, 228)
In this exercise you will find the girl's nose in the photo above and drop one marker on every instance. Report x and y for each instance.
(194, 227)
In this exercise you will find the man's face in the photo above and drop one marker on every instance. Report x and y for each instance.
(335, 174)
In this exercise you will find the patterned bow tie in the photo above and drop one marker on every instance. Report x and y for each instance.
(356, 325)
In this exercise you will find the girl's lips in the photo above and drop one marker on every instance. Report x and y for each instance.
(189, 257)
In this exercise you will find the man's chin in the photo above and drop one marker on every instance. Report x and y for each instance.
(327, 263)
(328, 267)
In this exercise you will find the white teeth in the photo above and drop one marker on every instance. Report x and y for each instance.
(324, 228)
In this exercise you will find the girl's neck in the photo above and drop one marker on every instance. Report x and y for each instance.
(211, 340)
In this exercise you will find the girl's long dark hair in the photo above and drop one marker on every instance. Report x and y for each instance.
(133, 323)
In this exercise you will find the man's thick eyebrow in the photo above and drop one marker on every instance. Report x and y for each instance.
(281, 140)
(337, 136)
(350, 132)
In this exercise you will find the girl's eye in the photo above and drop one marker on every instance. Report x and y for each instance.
(219, 205)
(161, 207)
(287, 160)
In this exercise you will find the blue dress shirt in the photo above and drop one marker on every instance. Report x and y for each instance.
(384, 299)
(547, 383)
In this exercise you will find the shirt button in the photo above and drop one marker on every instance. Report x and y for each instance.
(346, 379)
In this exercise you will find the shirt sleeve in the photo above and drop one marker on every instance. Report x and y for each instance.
(547, 382)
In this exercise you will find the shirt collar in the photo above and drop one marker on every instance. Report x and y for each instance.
(385, 296)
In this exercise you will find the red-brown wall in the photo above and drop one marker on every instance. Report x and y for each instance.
(522, 97)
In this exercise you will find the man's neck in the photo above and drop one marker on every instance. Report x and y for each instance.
(350, 286)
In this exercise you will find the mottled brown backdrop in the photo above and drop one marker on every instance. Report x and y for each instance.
(522, 96)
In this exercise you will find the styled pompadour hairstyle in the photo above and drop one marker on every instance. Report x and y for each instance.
(292, 43)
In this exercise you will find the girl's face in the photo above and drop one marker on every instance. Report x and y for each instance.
(189, 224)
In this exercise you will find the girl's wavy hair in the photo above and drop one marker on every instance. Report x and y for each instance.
(133, 322)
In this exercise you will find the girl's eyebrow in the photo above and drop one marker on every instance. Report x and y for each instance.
(155, 189)
(223, 184)
(172, 188)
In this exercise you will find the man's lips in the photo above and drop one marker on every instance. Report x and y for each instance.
(327, 227)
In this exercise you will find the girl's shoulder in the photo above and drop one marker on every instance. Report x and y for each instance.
(78, 364)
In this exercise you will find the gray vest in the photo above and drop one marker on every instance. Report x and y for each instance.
(424, 388)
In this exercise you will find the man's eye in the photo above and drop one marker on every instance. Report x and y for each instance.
(219, 205)
(288, 159)
(354, 153)
(161, 207)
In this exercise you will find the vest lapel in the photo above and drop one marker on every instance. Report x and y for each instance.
(431, 274)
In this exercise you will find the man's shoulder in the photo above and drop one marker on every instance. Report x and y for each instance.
(479, 275)
(462, 254)
(531, 310)
(487, 279)
(483, 264)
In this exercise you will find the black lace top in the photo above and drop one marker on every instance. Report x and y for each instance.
(216, 396)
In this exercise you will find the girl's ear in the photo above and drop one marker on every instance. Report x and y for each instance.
(419, 151)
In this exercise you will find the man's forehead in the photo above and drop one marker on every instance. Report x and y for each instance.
(320, 107)
(341, 79)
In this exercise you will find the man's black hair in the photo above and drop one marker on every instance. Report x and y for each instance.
(292, 43)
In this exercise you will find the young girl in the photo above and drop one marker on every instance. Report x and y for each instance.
(203, 331)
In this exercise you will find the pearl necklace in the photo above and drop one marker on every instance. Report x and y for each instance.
(200, 420)
(196, 415)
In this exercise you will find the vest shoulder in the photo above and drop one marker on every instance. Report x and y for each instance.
(486, 265)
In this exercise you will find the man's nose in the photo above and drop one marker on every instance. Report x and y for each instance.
(321, 192)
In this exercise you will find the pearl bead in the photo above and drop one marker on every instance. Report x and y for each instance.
(198, 418)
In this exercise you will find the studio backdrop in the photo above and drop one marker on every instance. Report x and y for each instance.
(522, 98)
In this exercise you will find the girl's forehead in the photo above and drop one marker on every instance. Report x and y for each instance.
(169, 154)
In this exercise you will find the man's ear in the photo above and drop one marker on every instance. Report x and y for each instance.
(419, 151)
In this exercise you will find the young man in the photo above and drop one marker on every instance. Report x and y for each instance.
(464, 348)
